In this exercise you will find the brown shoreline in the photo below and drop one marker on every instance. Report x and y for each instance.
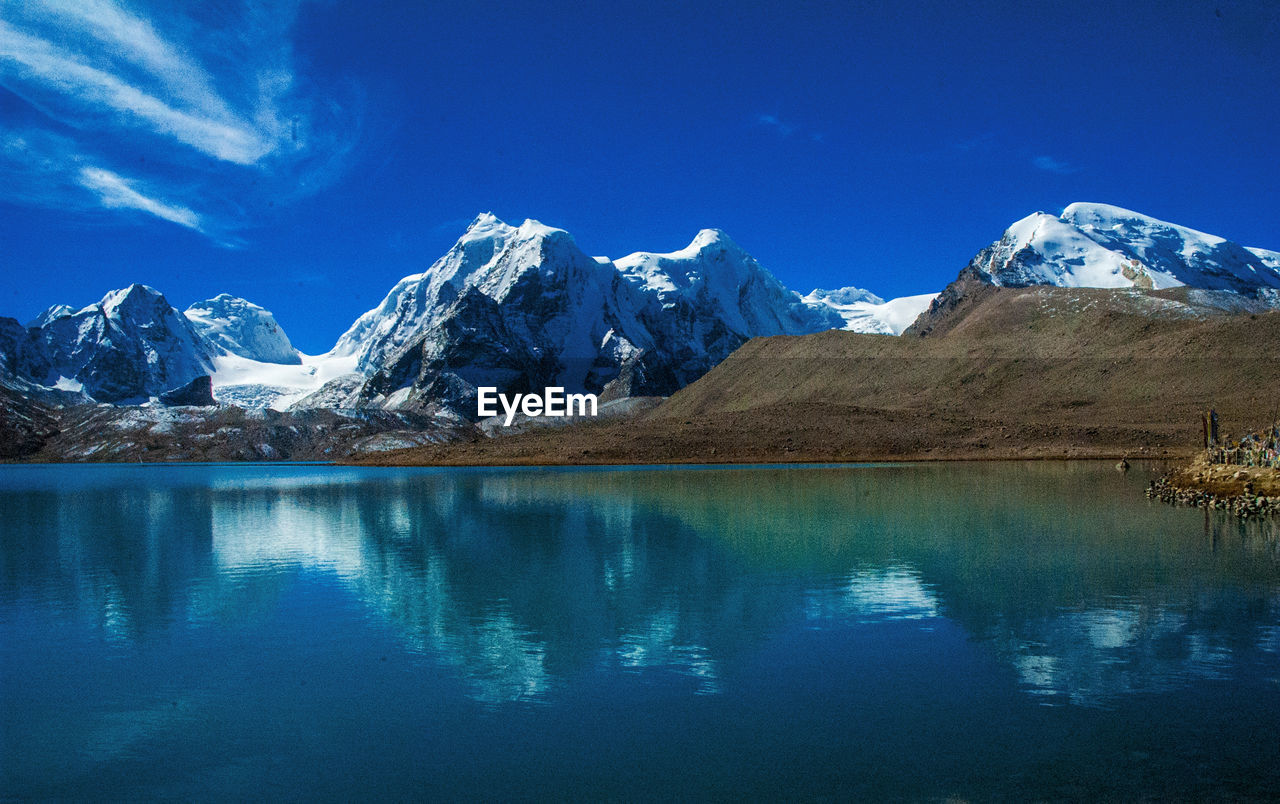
(832, 436)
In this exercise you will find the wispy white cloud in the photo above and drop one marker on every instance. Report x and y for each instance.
(140, 105)
(1051, 165)
(133, 38)
(52, 69)
(116, 192)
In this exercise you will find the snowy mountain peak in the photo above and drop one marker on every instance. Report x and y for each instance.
(137, 298)
(1105, 217)
(55, 312)
(242, 328)
(488, 226)
(531, 229)
(657, 268)
(490, 258)
(1100, 245)
(849, 295)
(483, 220)
(714, 277)
(712, 237)
(1271, 259)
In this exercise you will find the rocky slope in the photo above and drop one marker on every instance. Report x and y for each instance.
(159, 433)
(26, 425)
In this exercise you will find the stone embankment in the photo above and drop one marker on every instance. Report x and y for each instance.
(1244, 491)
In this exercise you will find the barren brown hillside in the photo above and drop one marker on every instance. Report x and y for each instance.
(1032, 372)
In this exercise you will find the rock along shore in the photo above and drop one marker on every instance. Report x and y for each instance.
(1244, 491)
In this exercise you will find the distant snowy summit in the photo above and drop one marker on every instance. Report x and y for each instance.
(863, 311)
(133, 346)
(1102, 246)
(242, 328)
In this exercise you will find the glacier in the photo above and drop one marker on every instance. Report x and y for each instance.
(863, 311)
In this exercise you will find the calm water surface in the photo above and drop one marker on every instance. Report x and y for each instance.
(970, 630)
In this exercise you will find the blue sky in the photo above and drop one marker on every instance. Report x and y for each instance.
(306, 155)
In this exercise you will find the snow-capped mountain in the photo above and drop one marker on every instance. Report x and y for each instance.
(517, 307)
(254, 364)
(534, 267)
(130, 346)
(864, 311)
(242, 328)
(133, 346)
(522, 307)
(713, 284)
(701, 303)
(1098, 245)
(842, 297)
(514, 307)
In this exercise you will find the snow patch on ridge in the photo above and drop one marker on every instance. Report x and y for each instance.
(864, 311)
(1271, 259)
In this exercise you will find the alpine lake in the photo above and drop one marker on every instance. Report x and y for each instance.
(1032, 630)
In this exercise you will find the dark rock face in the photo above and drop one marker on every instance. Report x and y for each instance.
(25, 425)
(198, 393)
(967, 291)
(22, 354)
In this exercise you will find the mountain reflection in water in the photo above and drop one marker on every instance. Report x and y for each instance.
(522, 581)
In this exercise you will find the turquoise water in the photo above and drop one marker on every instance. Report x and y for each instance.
(922, 631)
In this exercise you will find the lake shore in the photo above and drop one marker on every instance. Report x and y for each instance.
(1242, 490)
(818, 435)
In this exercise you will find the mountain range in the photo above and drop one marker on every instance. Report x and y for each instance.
(517, 307)
(523, 307)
